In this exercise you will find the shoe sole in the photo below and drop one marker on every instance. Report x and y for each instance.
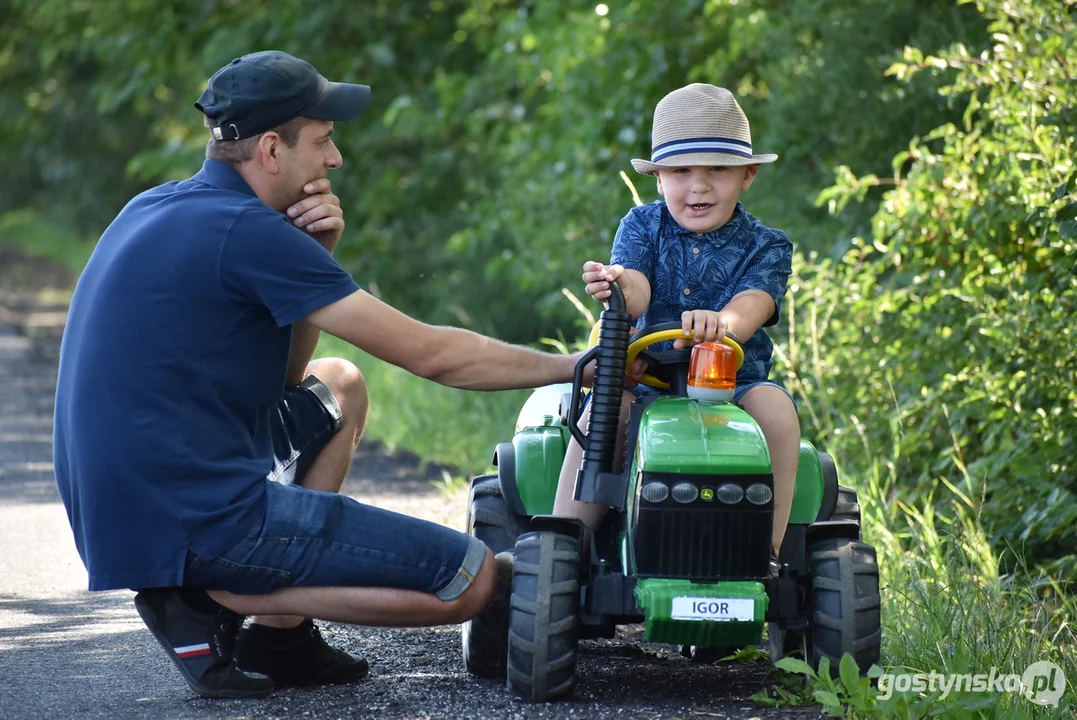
(354, 673)
(320, 682)
(164, 642)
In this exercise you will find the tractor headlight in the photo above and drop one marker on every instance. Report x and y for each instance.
(685, 492)
(759, 494)
(655, 492)
(730, 493)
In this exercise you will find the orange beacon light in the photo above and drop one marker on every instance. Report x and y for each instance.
(712, 373)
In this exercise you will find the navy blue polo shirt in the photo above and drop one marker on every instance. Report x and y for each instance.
(174, 354)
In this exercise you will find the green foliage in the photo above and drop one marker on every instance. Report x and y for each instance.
(956, 314)
(489, 156)
(454, 427)
(45, 238)
(847, 695)
(947, 608)
(928, 333)
(950, 606)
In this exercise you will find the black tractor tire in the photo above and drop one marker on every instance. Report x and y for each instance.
(486, 636)
(847, 506)
(544, 624)
(490, 518)
(845, 604)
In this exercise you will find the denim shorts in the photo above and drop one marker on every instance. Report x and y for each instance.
(321, 539)
(738, 393)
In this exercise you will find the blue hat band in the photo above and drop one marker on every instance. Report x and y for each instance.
(728, 146)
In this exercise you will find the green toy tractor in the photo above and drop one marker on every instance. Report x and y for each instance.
(685, 550)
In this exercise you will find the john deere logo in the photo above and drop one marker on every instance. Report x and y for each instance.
(707, 494)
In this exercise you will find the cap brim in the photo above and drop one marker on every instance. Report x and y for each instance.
(692, 159)
(340, 102)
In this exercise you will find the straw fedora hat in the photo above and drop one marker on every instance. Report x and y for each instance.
(699, 124)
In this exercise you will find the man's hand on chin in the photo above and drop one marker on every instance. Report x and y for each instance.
(319, 214)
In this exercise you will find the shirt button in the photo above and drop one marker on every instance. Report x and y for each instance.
(695, 251)
(699, 234)
(687, 291)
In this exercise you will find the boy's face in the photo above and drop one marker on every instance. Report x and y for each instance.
(703, 198)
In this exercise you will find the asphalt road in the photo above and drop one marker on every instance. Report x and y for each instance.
(65, 652)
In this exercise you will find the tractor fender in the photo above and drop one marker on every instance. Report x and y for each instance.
(505, 460)
(831, 529)
(830, 485)
(555, 523)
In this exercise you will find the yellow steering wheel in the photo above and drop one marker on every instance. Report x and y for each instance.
(660, 333)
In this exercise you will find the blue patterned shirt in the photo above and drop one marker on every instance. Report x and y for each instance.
(693, 271)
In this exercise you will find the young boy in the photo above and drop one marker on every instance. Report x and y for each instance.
(698, 257)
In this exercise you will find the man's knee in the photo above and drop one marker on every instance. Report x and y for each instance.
(347, 384)
(479, 594)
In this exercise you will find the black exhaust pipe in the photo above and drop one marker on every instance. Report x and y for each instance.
(596, 482)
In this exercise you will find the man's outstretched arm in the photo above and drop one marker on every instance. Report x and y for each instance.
(447, 355)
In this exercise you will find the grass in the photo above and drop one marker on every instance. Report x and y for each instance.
(453, 427)
(948, 608)
(46, 239)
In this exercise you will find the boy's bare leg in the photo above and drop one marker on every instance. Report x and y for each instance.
(777, 417)
(382, 607)
(564, 505)
(329, 469)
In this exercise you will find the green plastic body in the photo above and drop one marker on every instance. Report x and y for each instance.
(677, 435)
(808, 492)
(655, 598)
(540, 452)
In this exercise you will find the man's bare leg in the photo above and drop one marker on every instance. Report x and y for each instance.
(347, 385)
(381, 607)
(329, 469)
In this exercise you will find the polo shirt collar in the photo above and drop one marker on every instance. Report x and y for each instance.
(730, 229)
(223, 176)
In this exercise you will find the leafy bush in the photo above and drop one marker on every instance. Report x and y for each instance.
(952, 323)
(484, 173)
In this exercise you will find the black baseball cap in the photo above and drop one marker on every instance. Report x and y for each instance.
(264, 90)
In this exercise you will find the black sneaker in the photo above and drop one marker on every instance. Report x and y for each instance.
(200, 635)
(296, 656)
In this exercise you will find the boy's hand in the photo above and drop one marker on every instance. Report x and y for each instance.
(598, 278)
(635, 373)
(319, 215)
(701, 326)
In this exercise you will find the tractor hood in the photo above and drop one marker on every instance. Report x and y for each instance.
(682, 435)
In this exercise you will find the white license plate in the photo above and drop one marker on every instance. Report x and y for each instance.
(709, 608)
